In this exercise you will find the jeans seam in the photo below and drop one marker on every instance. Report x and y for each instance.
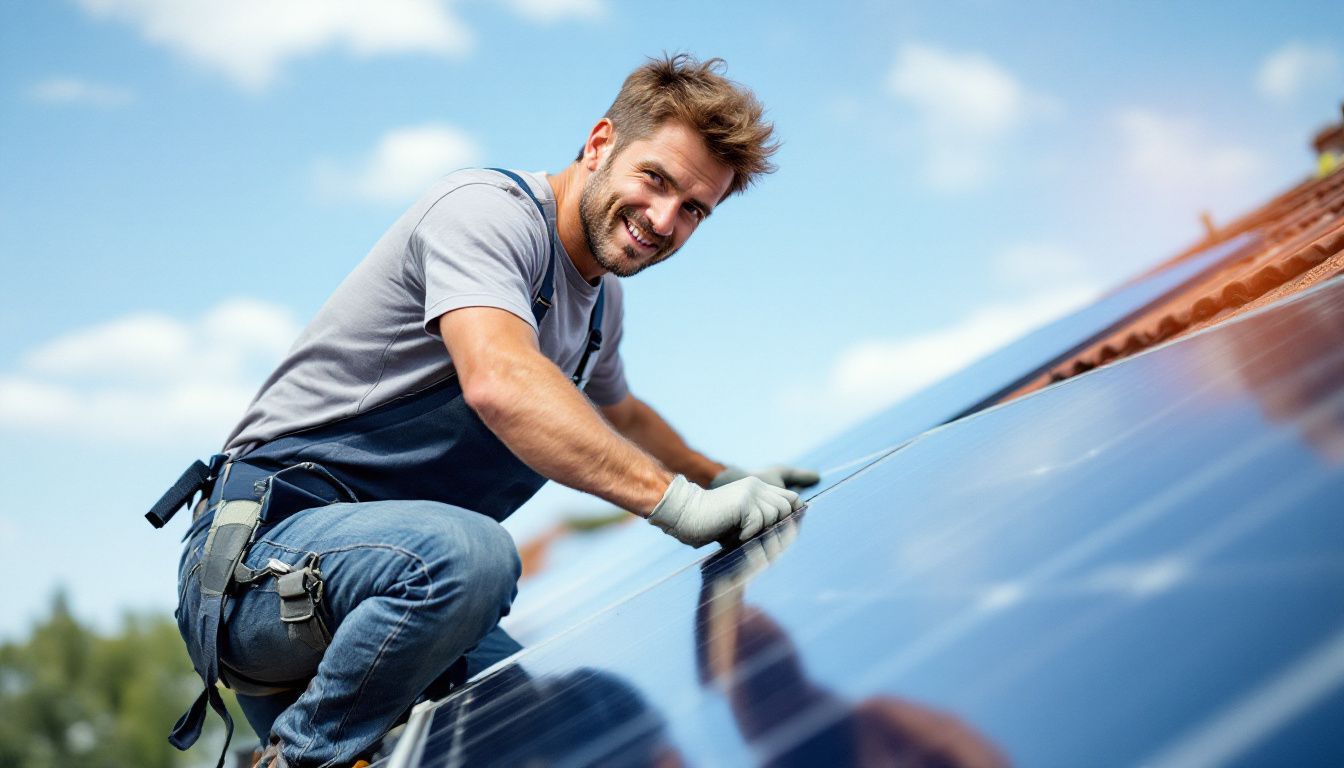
(423, 572)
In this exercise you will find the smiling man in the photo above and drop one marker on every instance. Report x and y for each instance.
(348, 558)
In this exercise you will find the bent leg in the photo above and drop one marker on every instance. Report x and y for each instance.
(409, 587)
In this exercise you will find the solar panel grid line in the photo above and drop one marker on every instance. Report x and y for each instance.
(1231, 732)
(461, 712)
(1167, 501)
(556, 615)
(605, 749)
(1015, 667)
(677, 556)
(866, 459)
(1274, 501)
(493, 708)
(465, 730)
(573, 685)
(1024, 661)
(548, 611)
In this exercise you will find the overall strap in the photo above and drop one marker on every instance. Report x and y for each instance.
(594, 334)
(231, 534)
(541, 303)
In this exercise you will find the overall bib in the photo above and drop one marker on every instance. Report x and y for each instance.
(428, 446)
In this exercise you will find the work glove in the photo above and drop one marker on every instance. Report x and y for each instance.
(778, 475)
(739, 510)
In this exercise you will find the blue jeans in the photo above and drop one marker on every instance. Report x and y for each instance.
(409, 588)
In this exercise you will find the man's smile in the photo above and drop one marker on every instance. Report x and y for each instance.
(638, 235)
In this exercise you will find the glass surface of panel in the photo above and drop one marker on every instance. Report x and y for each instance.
(614, 567)
(1144, 564)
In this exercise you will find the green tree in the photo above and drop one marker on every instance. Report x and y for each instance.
(71, 697)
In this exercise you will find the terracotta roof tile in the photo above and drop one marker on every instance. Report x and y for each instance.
(1301, 243)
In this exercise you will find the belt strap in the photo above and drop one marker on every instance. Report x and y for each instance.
(200, 476)
(230, 534)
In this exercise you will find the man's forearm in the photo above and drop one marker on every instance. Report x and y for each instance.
(539, 414)
(639, 422)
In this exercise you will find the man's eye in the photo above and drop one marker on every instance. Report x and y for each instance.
(695, 212)
(654, 177)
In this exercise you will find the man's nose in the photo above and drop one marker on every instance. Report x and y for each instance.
(663, 216)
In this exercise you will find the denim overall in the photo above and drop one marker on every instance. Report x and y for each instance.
(428, 446)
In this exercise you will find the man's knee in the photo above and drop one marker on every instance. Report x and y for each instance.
(477, 561)
(494, 563)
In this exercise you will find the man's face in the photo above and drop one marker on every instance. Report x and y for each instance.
(642, 204)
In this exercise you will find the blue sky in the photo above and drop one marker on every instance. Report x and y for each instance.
(184, 182)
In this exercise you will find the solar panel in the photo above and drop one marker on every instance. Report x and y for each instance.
(621, 563)
(1144, 564)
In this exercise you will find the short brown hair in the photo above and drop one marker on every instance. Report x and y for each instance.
(727, 115)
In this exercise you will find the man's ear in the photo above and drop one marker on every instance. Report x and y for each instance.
(600, 141)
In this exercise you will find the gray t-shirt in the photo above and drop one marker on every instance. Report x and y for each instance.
(474, 240)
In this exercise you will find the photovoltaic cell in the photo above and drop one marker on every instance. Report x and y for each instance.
(1143, 564)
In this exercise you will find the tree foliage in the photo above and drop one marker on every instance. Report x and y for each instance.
(71, 697)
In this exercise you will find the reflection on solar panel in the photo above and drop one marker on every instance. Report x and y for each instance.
(1143, 564)
(626, 561)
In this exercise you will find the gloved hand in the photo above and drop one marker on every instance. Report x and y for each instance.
(778, 475)
(696, 516)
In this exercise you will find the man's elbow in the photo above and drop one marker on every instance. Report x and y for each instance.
(489, 392)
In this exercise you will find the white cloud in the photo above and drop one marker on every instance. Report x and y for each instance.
(546, 11)
(148, 377)
(1033, 265)
(402, 165)
(1294, 68)
(967, 106)
(249, 40)
(68, 90)
(872, 374)
(1178, 164)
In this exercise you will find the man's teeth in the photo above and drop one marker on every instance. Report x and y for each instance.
(635, 233)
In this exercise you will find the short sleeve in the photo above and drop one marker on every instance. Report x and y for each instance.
(479, 245)
(607, 385)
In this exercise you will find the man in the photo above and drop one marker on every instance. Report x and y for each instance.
(348, 558)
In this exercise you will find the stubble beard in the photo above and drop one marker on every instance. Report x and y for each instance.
(602, 219)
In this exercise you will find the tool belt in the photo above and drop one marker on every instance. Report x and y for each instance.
(222, 570)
